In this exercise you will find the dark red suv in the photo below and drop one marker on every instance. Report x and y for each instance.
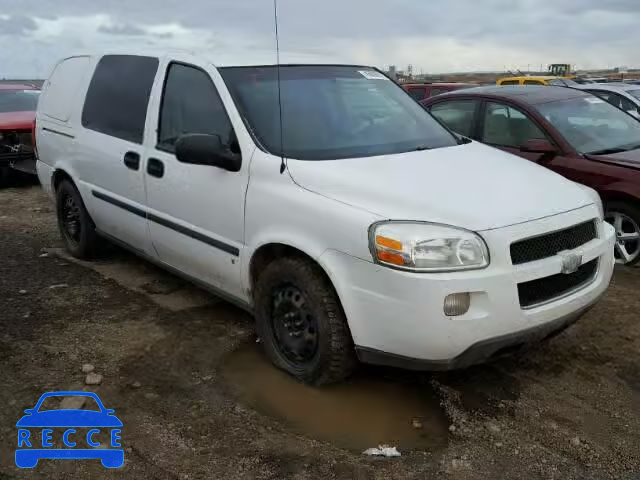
(569, 131)
(422, 91)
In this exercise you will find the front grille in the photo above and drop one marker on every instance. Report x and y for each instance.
(545, 289)
(548, 245)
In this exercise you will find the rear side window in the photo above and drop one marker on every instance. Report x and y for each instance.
(437, 91)
(458, 115)
(533, 82)
(191, 104)
(118, 96)
(62, 87)
(510, 82)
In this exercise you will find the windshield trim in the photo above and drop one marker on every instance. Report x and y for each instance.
(457, 139)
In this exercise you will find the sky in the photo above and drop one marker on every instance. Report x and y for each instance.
(435, 36)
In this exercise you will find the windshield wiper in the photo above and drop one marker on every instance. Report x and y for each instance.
(608, 151)
(624, 148)
(421, 148)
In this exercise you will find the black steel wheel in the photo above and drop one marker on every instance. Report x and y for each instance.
(71, 220)
(294, 325)
(301, 323)
(76, 227)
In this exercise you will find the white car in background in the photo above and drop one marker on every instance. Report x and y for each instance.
(361, 229)
(625, 96)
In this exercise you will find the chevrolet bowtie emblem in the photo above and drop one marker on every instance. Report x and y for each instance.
(570, 261)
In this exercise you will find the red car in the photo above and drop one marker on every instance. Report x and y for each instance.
(17, 115)
(422, 91)
(572, 132)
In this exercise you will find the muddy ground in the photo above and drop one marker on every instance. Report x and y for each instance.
(197, 400)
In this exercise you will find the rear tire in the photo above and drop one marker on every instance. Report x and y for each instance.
(74, 222)
(301, 322)
(625, 217)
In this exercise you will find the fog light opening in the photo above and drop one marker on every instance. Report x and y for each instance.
(457, 304)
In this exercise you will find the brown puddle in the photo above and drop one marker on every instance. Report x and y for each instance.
(363, 412)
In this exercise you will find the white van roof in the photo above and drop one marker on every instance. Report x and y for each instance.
(227, 58)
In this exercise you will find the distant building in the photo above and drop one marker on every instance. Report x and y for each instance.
(392, 72)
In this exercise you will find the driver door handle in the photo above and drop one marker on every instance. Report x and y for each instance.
(132, 160)
(155, 168)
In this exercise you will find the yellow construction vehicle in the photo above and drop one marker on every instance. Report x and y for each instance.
(561, 70)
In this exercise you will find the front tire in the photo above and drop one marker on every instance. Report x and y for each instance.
(301, 322)
(625, 218)
(74, 222)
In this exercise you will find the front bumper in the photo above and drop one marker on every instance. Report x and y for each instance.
(479, 352)
(397, 318)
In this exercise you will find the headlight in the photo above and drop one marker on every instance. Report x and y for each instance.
(426, 247)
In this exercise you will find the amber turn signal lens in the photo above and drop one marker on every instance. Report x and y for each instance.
(388, 243)
(388, 257)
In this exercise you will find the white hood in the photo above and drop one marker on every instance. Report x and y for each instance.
(471, 186)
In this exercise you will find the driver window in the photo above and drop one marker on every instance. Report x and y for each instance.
(505, 126)
(191, 104)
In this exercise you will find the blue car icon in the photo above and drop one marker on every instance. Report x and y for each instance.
(28, 453)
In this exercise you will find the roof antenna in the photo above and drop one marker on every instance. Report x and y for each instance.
(283, 165)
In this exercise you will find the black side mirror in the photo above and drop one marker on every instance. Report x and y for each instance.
(203, 149)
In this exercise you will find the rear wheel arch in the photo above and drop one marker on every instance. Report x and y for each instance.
(58, 176)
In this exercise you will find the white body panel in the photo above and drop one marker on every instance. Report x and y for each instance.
(471, 186)
(211, 200)
(325, 209)
(414, 324)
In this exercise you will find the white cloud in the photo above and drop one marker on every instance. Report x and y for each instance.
(457, 35)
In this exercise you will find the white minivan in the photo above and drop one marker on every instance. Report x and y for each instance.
(325, 201)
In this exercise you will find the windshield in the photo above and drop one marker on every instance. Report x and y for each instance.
(331, 112)
(592, 125)
(635, 93)
(18, 100)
